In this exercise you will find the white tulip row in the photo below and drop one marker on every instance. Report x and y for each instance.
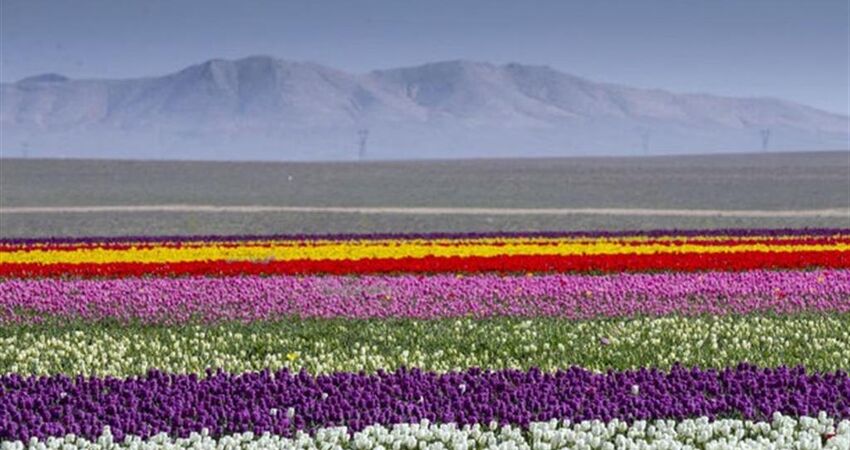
(819, 343)
(781, 433)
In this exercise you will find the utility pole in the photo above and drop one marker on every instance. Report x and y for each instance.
(362, 135)
(765, 139)
(645, 135)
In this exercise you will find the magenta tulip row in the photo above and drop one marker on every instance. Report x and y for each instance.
(251, 298)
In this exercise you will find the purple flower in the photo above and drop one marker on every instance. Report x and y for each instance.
(284, 402)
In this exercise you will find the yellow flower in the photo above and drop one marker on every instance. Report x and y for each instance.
(284, 250)
(292, 356)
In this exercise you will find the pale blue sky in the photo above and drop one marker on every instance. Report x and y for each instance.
(797, 50)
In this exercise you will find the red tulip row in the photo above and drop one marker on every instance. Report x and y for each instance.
(683, 262)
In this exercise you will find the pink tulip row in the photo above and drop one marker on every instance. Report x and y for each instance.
(251, 298)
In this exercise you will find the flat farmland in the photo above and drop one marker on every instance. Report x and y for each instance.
(721, 190)
(733, 338)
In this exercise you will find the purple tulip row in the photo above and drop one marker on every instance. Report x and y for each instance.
(179, 300)
(284, 402)
(545, 234)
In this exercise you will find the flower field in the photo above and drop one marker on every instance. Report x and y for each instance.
(651, 340)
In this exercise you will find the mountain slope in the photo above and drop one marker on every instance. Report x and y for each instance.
(265, 108)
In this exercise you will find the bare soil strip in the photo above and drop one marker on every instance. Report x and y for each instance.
(833, 212)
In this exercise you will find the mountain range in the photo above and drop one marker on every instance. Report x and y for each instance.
(263, 108)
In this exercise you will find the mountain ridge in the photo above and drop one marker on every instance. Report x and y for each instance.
(260, 107)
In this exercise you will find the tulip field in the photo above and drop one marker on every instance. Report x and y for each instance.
(664, 339)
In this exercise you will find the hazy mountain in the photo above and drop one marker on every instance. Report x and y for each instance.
(266, 108)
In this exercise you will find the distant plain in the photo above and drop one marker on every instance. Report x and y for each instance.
(780, 181)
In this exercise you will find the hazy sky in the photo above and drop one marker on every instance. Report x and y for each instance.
(796, 50)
